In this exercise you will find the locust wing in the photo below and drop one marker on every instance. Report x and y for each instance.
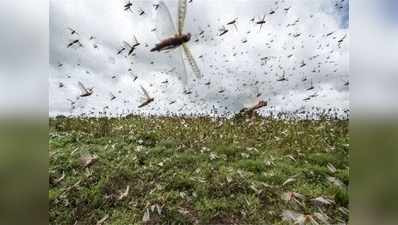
(145, 93)
(136, 41)
(182, 72)
(127, 44)
(163, 21)
(192, 62)
(182, 11)
(251, 98)
(82, 88)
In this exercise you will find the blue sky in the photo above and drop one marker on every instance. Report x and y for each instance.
(390, 10)
(345, 14)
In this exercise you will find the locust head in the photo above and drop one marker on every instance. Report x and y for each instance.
(186, 37)
(262, 103)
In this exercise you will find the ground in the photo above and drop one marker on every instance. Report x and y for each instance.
(197, 171)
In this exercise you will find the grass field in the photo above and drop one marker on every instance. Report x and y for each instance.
(198, 171)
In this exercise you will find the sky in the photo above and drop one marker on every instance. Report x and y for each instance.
(242, 66)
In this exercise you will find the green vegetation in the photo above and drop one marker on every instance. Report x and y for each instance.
(197, 171)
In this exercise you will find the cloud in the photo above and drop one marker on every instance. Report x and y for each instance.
(24, 58)
(308, 33)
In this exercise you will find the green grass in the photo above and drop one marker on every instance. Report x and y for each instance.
(197, 170)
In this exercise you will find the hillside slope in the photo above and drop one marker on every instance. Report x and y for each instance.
(197, 171)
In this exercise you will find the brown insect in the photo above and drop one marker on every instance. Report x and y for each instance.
(85, 91)
(147, 97)
(251, 111)
(171, 38)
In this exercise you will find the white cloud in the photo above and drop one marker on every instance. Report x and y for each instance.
(230, 65)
